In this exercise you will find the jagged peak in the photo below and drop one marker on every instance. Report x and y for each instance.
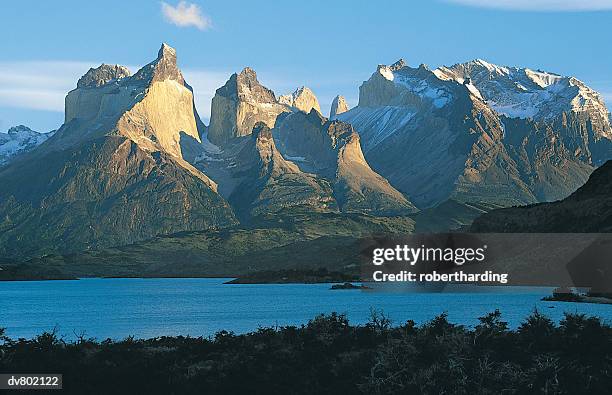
(246, 86)
(248, 72)
(301, 90)
(338, 106)
(303, 98)
(490, 67)
(387, 71)
(102, 75)
(20, 129)
(166, 51)
(401, 63)
(163, 68)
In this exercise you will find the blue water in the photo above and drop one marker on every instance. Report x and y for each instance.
(118, 308)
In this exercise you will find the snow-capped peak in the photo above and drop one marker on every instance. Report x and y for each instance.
(386, 72)
(542, 78)
(19, 139)
(523, 92)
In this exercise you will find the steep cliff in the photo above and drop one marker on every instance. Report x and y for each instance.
(240, 104)
(338, 107)
(302, 99)
(332, 150)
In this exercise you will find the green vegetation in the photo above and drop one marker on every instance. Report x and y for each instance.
(270, 243)
(330, 356)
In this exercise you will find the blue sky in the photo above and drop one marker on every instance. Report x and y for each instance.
(330, 46)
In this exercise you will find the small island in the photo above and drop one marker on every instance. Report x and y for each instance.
(295, 276)
(348, 286)
(567, 294)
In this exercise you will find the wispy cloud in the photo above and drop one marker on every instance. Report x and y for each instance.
(39, 85)
(540, 5)
(186, 14)
(43, 85)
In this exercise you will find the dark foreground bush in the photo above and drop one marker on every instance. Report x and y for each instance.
(330, 356)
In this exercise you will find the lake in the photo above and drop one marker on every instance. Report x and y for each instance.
(117, 308)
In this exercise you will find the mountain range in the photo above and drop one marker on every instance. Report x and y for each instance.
(423, 150)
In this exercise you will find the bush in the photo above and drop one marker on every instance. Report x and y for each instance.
(330, 356)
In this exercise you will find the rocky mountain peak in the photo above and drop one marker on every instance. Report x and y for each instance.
(166, 51)
(401, 63)
(163, 68)
(248, 87)
(19, 139)
(20, 129)
(248, 75)
(303, 99)
(239, 105)
(338, 106)
(102, 75)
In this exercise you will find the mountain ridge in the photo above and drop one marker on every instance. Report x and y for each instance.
(447, 123)
(423, 149)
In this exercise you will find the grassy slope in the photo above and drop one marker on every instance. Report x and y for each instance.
(300, 240)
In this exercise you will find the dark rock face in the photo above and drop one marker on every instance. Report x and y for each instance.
(332, 150)
(589, 209)
(102, 75)
(271, 184)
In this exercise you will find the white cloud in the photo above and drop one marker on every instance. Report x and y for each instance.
(540, 5)
(186, 14)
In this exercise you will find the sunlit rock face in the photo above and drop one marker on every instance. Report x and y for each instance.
(154, 107)
(240, 104)
(338, 106)
(114, 173)
(302, 99)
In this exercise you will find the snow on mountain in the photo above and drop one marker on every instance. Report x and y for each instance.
(394, 94)
(525, 93)
(20, 139)
(476, 131)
